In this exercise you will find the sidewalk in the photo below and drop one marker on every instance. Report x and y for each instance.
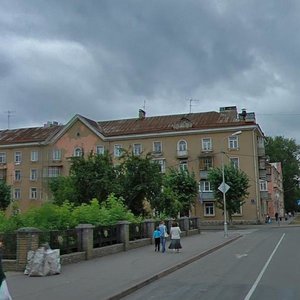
(114, 276)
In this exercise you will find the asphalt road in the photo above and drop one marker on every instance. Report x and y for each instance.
(263, 264)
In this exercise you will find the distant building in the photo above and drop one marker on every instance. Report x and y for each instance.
(30, 157)
(275, 189)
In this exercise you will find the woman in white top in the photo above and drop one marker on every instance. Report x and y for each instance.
(175, 237)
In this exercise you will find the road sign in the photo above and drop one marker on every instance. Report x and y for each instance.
(223, 187)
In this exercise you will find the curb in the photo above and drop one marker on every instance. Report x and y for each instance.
(170, 270)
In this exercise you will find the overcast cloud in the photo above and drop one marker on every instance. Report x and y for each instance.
(106, 59)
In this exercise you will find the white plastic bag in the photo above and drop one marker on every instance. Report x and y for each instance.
(43, 262)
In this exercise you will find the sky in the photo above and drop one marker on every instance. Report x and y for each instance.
(106, 59)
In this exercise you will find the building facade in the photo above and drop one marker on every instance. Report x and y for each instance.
(30, 157)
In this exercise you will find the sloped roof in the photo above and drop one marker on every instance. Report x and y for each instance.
(28, 135)
(147, 125)
(169, 123)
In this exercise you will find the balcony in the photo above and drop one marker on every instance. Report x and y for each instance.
(207, 196)
(182, 153)
(263, 174)
(261, 150)
(264, 195)
(157, 153)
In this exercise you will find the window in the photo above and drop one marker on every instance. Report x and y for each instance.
(78, 152)
(33, 193)
(206, 163)
(53, 171)
(206, 144)
(33, 174)
(18, 157)
(263, 185)
(117, 150)
(205, 186)
(137, 149)
(56, 154)
(183, 166)
(17, 194)
(162, 165)
(239, 211)
(34, 156)
(17, 175)
(209, 209)
(2, 157)
(157, 147)
(234, 162)
(100, 149)
(233, 142)
(182, 146)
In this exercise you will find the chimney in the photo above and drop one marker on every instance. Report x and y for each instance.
(142, 114)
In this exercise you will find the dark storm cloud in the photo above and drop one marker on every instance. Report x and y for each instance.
(106, 59)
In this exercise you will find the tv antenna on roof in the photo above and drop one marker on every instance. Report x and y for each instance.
(191, 101)
(9, 114)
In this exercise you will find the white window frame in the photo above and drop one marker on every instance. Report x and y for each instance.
(17, 175)
(206, 163)
(137, 149)
(17, 194)
(33, 193)
(263, 185)
(100, 149)
(183, 165)
(162, 164)
(2, 157)
(209, 209)
(205, 186)
(18, 157)
(56, 154)
(182, 146)
(239, 213)
(157, 147)
(78, 152)
(233, 142)
(33, 174)
(34, 155)
(235, 162)
(117, 150)
(206, 144)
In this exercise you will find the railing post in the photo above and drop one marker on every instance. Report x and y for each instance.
(27, 239)
(185, 224)
(85, 235)
(198, 222)
(123, 233)
(149, 226)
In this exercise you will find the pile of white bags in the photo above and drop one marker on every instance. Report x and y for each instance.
(43, 262)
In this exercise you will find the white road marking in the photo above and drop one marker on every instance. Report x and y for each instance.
(263, 270)
(241, 255)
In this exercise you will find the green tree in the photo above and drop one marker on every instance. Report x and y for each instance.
(4, 195)
(286, 151)
(93, 177)
(238, 182)
(140, 180)
(62, 189)
(180, 190)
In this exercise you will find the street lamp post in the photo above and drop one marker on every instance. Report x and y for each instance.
(225, 188)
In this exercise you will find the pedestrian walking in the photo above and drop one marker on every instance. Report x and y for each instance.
(156, 236)
(163, 235)
(4, 293)
(175, 237)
